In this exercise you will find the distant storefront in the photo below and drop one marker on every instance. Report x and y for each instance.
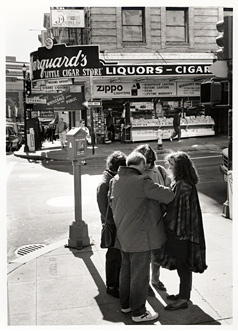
(141, 97)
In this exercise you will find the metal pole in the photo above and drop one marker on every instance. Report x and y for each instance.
(77, 190)
(24, 105)
(229, 64)
(92, 126)
(91, 112)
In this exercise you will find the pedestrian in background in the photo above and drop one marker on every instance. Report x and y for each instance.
(51, 130)
(110, 126)
(184, 225)
(61, 128)
(113, 255)
(138, 231)
(176, 125)
(82, 125)
(159, 175)
(88, 137)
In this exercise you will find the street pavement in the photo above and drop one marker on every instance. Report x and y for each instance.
(58, 285)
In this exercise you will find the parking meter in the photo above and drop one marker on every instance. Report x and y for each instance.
(77, 144)
(77, 150)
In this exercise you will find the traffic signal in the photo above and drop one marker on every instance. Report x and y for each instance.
(214, 93)
(210, 93)
(225, 39)
(28, 87)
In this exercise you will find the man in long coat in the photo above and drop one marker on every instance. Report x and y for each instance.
(135, 201)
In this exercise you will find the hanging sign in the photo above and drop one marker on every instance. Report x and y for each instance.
(60, 101)
(63, 61)
(35, 100)
(67, 18)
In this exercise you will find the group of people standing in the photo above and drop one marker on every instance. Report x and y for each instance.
(156, 215)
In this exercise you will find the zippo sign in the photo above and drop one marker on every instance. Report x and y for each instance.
(138, 90)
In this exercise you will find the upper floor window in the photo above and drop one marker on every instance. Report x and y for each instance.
(133, 24)
(177, 25)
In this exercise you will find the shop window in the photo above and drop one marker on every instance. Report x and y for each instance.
(133, 23)
(176, 25)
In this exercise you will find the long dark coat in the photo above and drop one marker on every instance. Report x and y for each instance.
(183, 221)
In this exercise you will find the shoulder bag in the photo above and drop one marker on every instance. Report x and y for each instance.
(108, 233)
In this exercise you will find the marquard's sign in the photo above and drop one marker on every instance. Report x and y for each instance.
(63, 61)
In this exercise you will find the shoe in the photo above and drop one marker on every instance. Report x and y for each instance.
(160, 286)
(146, 317)
(173, 297)
(170, 306)
(126, 310)
(151, 293)
(83, 162)
(179, 141)
(170, 138)
(113, 292)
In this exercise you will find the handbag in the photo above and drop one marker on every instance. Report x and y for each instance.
(108, 233)
(107, 237)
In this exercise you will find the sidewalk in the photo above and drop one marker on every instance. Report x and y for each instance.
(61, 286)
(56, 285)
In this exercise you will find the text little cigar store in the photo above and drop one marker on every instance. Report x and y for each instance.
(71, 73)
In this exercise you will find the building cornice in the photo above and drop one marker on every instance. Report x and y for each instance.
(157, 56)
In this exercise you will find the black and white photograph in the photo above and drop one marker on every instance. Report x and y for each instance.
(117, 165)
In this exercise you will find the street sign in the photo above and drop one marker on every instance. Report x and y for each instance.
(219, 69)
(91, 103)
(65, 81)
(53, 88)
(35, 100)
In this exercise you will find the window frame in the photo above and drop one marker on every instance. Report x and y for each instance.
(143, 37)
(185, 25)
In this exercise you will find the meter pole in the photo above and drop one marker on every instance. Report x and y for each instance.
(78, 230)
(77, 190)
(92, 127)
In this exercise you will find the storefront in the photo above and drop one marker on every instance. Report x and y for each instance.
(142, 105)
(136, 99)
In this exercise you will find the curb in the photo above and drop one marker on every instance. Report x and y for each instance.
(40, 157)
(193, 148)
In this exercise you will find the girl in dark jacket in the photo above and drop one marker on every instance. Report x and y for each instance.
(113, 255)
(185, 249)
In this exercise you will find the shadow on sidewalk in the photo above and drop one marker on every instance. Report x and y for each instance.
(110, 307)
(193, 315)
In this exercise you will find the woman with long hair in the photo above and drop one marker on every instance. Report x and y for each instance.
(185, 249)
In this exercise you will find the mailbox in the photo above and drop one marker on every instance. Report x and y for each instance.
(76, 143)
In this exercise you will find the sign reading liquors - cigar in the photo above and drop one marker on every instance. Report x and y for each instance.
(63, 61)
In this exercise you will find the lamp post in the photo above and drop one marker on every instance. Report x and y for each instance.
(24, 106)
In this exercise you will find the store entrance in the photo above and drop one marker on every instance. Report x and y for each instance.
(113, 112)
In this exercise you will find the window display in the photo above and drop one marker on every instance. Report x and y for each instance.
(145, 123)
